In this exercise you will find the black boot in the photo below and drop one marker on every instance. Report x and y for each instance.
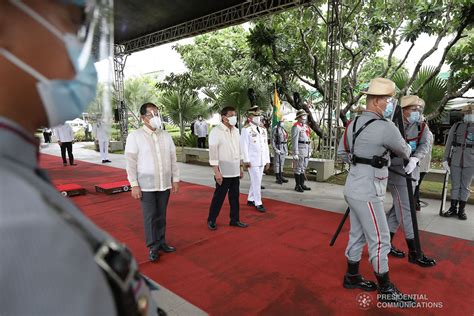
(462, 212)
(298, 187)
(353, 280)
(302, 183)
(278, 178)
(389, 293)
(418, 258)
(394, 252)
(452, 210)
(283, 179)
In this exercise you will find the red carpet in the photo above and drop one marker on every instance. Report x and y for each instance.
(280, 265)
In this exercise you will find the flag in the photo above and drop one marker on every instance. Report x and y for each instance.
(276, 116)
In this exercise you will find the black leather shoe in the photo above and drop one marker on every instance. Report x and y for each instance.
(278, 181)
(462, 215)
(397, 253)
(356, 281)
(153, 255)
(262, 187)
(305, 188)
(389, 293)
(421, 260)
(238, 224)
(211, 225)
(283, 179)
(250, 203)
(451, 212)
(260, 208)
(104, 161)
(73, 164)
(167, 248)
(298, 188)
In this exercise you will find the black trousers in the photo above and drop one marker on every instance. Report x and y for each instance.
(232, 186)
(47, 137)
(201, 142)
(417, 189)
(67, 146)
(154, 206)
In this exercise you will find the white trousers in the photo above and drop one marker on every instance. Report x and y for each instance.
(255, 194)
(104, 149)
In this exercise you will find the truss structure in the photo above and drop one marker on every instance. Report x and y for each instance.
(231, 16)
(333, 79)
(120, 58)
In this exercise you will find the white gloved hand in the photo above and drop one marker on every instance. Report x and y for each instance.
(411, 165)
(295, 157)
(278, 152)
(446, 166)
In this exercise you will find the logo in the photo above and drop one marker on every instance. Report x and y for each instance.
(364, 300)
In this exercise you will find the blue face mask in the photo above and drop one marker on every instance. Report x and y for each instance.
(62, 99)
(414, 117)
(388, 110)
(412, 145)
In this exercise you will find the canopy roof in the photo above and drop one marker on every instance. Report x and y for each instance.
(141, 24)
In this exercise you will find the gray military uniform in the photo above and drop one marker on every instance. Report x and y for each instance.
(279, 142)
(47, 266)
(300, 146)
(461, 144)
(399, 213)
(365, 187)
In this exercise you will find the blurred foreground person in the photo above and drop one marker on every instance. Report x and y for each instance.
(54, 261)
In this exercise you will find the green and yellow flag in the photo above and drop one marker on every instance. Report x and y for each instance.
(276, 109)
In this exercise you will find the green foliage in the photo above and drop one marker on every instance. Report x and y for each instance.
(185, 140)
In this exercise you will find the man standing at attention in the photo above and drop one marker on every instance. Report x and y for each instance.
(65, 136)
(255, 154)
(152, 172)
(200, 130)
(225, 159)
(101, 134)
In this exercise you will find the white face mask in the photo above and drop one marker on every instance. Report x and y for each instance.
(155, 122)
(256, 120)
(233, 120)
(469, 118)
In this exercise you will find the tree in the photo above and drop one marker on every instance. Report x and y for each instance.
(291, 46)
(220, 65)
(181, 107)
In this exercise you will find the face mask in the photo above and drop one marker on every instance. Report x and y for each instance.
(233, 120)
(256, 120)
(414, 117)
(469, 118)
(304, 119)
(387, 113)
(155, 122)
(200, 118)
(62, 99)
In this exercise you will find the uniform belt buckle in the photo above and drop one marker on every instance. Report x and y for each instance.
(103, 257)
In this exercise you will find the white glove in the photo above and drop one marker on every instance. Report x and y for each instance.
(295, 157)
(446, 166)
(278, 152)
(411, 165)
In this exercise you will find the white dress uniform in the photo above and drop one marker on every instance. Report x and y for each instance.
(254, 146)
(100, 133)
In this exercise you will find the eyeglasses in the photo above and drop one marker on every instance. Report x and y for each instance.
(150, 115)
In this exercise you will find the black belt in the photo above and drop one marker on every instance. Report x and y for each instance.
(376, 162)
(461, 145)
(304, 142)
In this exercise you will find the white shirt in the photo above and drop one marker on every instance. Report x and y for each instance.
(224, 150)
(99, 130)
(200, 128)
(64, 133)
(151, 160)
(254, 145)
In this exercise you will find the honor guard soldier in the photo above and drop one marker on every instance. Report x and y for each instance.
(280, 150)
(256, 155)
(300, 149)
(459, 161)
(366, 145)
(54, 260)
(419, 137)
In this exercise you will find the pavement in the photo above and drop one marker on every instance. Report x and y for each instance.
(323, 196)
